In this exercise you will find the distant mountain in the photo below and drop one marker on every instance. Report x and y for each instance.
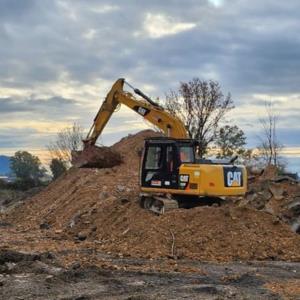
(4, 165)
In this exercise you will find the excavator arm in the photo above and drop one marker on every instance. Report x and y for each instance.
(149, 110)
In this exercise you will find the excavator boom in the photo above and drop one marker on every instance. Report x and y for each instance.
(148, 109)
(93, 156)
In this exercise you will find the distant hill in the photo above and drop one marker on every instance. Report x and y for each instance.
(4, 165)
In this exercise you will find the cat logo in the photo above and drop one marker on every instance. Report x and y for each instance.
(184, 178)
(143, 111)
(233, 177)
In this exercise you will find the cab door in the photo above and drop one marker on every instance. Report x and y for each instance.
(171, 169)
(160, 166)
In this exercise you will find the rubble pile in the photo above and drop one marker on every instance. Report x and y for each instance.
(276, 195)
(100, 206)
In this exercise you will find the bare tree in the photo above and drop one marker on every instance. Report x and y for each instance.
(269, 146)
(67, 140)
(201, 105)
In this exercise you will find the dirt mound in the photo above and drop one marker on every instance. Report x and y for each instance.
(64, 200)
(101, 206)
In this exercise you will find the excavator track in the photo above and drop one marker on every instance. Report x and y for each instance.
(158, 204)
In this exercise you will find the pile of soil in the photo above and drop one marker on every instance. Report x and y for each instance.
(101, 206)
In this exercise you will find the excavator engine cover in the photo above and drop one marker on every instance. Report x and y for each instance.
(96, 157)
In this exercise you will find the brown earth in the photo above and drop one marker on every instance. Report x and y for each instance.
(100, 206)
(289, 289)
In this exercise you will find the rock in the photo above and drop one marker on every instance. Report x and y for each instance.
(10, 265)
(251, 196)
(125, 231)
(41, 267)
(45, 225)
(75, 266)
(296, 226)
(269, 209)
(82, 236)
(294, 206)
(243, 202)
(103, 195)
(72, 223)
(265, 194)
(121, 188)
(75, 219)
(124, 201)
(277, 191)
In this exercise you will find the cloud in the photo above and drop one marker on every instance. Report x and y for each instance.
(58, 106)
(59, 58)
(157, 26)
(217, 3)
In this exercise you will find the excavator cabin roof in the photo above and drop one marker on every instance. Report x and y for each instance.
(168, 140)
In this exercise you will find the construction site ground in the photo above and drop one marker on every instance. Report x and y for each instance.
(86, 237)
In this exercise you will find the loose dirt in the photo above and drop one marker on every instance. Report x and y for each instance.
(41, 276)
(100, 206)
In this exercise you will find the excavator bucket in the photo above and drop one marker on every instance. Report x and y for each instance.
(96, 157)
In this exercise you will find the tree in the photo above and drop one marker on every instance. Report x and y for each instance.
(58, 167)
(27, 169)
(230, 140)
(201, 105)
(67, 140)
(269, 146)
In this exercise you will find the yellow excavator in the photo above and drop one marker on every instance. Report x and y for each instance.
(171, 175)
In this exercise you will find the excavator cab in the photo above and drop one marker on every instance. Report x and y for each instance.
(162, 159)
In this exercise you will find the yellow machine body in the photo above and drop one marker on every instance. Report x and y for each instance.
(206, 180)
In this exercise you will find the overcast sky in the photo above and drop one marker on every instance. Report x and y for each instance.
(58, 59)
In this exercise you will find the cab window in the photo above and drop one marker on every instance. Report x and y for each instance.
(154, 155)
(187, 154)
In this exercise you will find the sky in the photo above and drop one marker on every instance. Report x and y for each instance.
(59, 58)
